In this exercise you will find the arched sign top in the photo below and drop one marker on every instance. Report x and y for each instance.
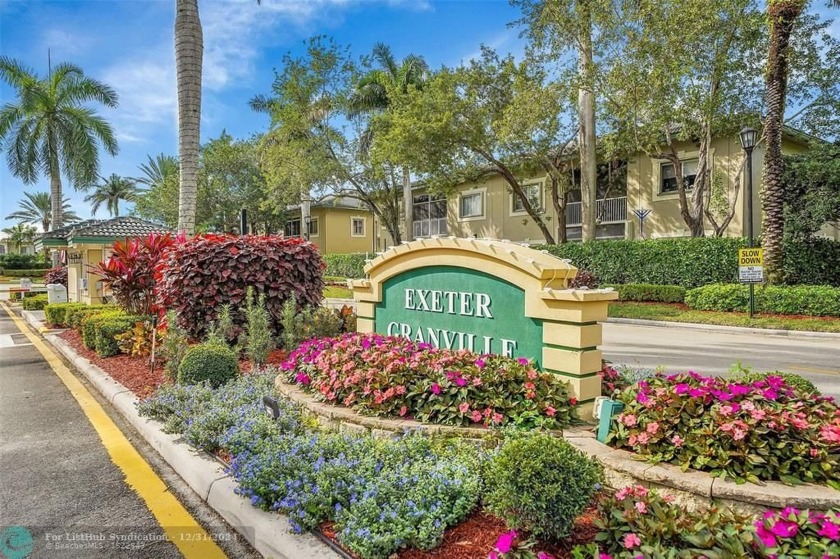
(549, 270)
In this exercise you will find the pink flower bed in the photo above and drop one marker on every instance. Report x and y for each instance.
(393, 376)
(764, 430)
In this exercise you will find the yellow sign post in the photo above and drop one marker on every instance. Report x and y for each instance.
(750, 257)
(751, 270)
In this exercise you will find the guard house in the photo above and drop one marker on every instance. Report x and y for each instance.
(86, 244)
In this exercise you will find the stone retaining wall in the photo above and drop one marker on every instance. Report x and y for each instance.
(339, 418)
(694, 489)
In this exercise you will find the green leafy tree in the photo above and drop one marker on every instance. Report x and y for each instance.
(21, 234)
(314, 145)
(51, 130)
(475, 119)
(110, 192)
(812, 191)
(36, 209)
(372, 95)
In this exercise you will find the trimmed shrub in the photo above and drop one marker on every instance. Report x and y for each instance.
(26, 262)
(214, 363)
(814, 300)
(347, 265)
(57, 275)
(393, 376)
(37, 273)
(541, 484)
(107, 330)
(36, 303)
(75, 315)
(692, 262)
(198, 276)
(645, 292)
(91, 322)
(56, 313)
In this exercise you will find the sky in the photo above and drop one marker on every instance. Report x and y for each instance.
(129, 45)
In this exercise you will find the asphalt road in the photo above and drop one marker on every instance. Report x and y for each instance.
(679, 349)
(57, 481)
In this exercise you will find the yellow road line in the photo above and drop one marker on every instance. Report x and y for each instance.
(810, 370)
(178, 524)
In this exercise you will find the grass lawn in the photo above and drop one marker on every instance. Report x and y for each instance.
(681, 313)
(333, 292)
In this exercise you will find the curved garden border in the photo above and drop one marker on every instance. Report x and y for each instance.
(692, 489)
(339, 418)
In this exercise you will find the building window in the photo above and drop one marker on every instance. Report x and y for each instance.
(357, 226)
(471, 205)
(292, 228)
(669, 176)
(534, 194)
(2, 249)
(428, 215)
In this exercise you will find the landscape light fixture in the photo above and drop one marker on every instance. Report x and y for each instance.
(271, 407)
(748, 136)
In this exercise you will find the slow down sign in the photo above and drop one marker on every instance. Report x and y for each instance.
(751, 265)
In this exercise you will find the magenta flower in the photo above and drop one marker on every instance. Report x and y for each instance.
(784, 528)
(681, 388)
(461, 381)
(480, 363)
(435, 388)
(522, 361)
(829, 530)
(767, 538)
(505, 542)
(302, 378)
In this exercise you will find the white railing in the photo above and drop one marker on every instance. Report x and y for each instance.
(429, 227)
(609, 210)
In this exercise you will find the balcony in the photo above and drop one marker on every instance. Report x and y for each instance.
(608, 210)
(429, 227)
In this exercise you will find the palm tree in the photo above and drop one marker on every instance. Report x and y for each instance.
(372, 95)
(20, 234)
(110, 192)
(50, 130)
(782, 15)
(189, 48)
(156, 171)
(36, 208)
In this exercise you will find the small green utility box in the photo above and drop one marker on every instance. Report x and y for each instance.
(608, 410)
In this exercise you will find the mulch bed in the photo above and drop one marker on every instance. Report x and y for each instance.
(134, 373)
(275, 359)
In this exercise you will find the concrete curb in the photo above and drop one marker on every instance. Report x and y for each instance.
(267, 532)
(726, 329)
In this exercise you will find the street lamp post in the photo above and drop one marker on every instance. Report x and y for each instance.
(748, 136)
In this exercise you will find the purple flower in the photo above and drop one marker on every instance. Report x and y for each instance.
(522, 360)
(435, 388)
(696, 393)
(480, 363)
(642, 398)
(770, 394)
(461, 381)
(681, 388)
(739, 389)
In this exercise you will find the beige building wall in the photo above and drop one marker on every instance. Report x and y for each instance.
(335, 233)
(644, 188)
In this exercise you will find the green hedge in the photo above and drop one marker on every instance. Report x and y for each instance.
(692, 262)
(91, 323)
(106, 331)
(347, 265)
(649, 293)
(36, 303)
(74, 316)
(813, 300)
(31, 273)
(22, 261)
(56, 313)
(210, 362)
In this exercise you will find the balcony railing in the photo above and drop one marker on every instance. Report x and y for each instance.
(429, 227)
(609, 210)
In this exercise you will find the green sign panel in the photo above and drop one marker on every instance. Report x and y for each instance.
(459, 308)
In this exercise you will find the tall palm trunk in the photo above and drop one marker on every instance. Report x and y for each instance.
(57, 198)
(586, 135)
(782, 15)
(189, 47)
